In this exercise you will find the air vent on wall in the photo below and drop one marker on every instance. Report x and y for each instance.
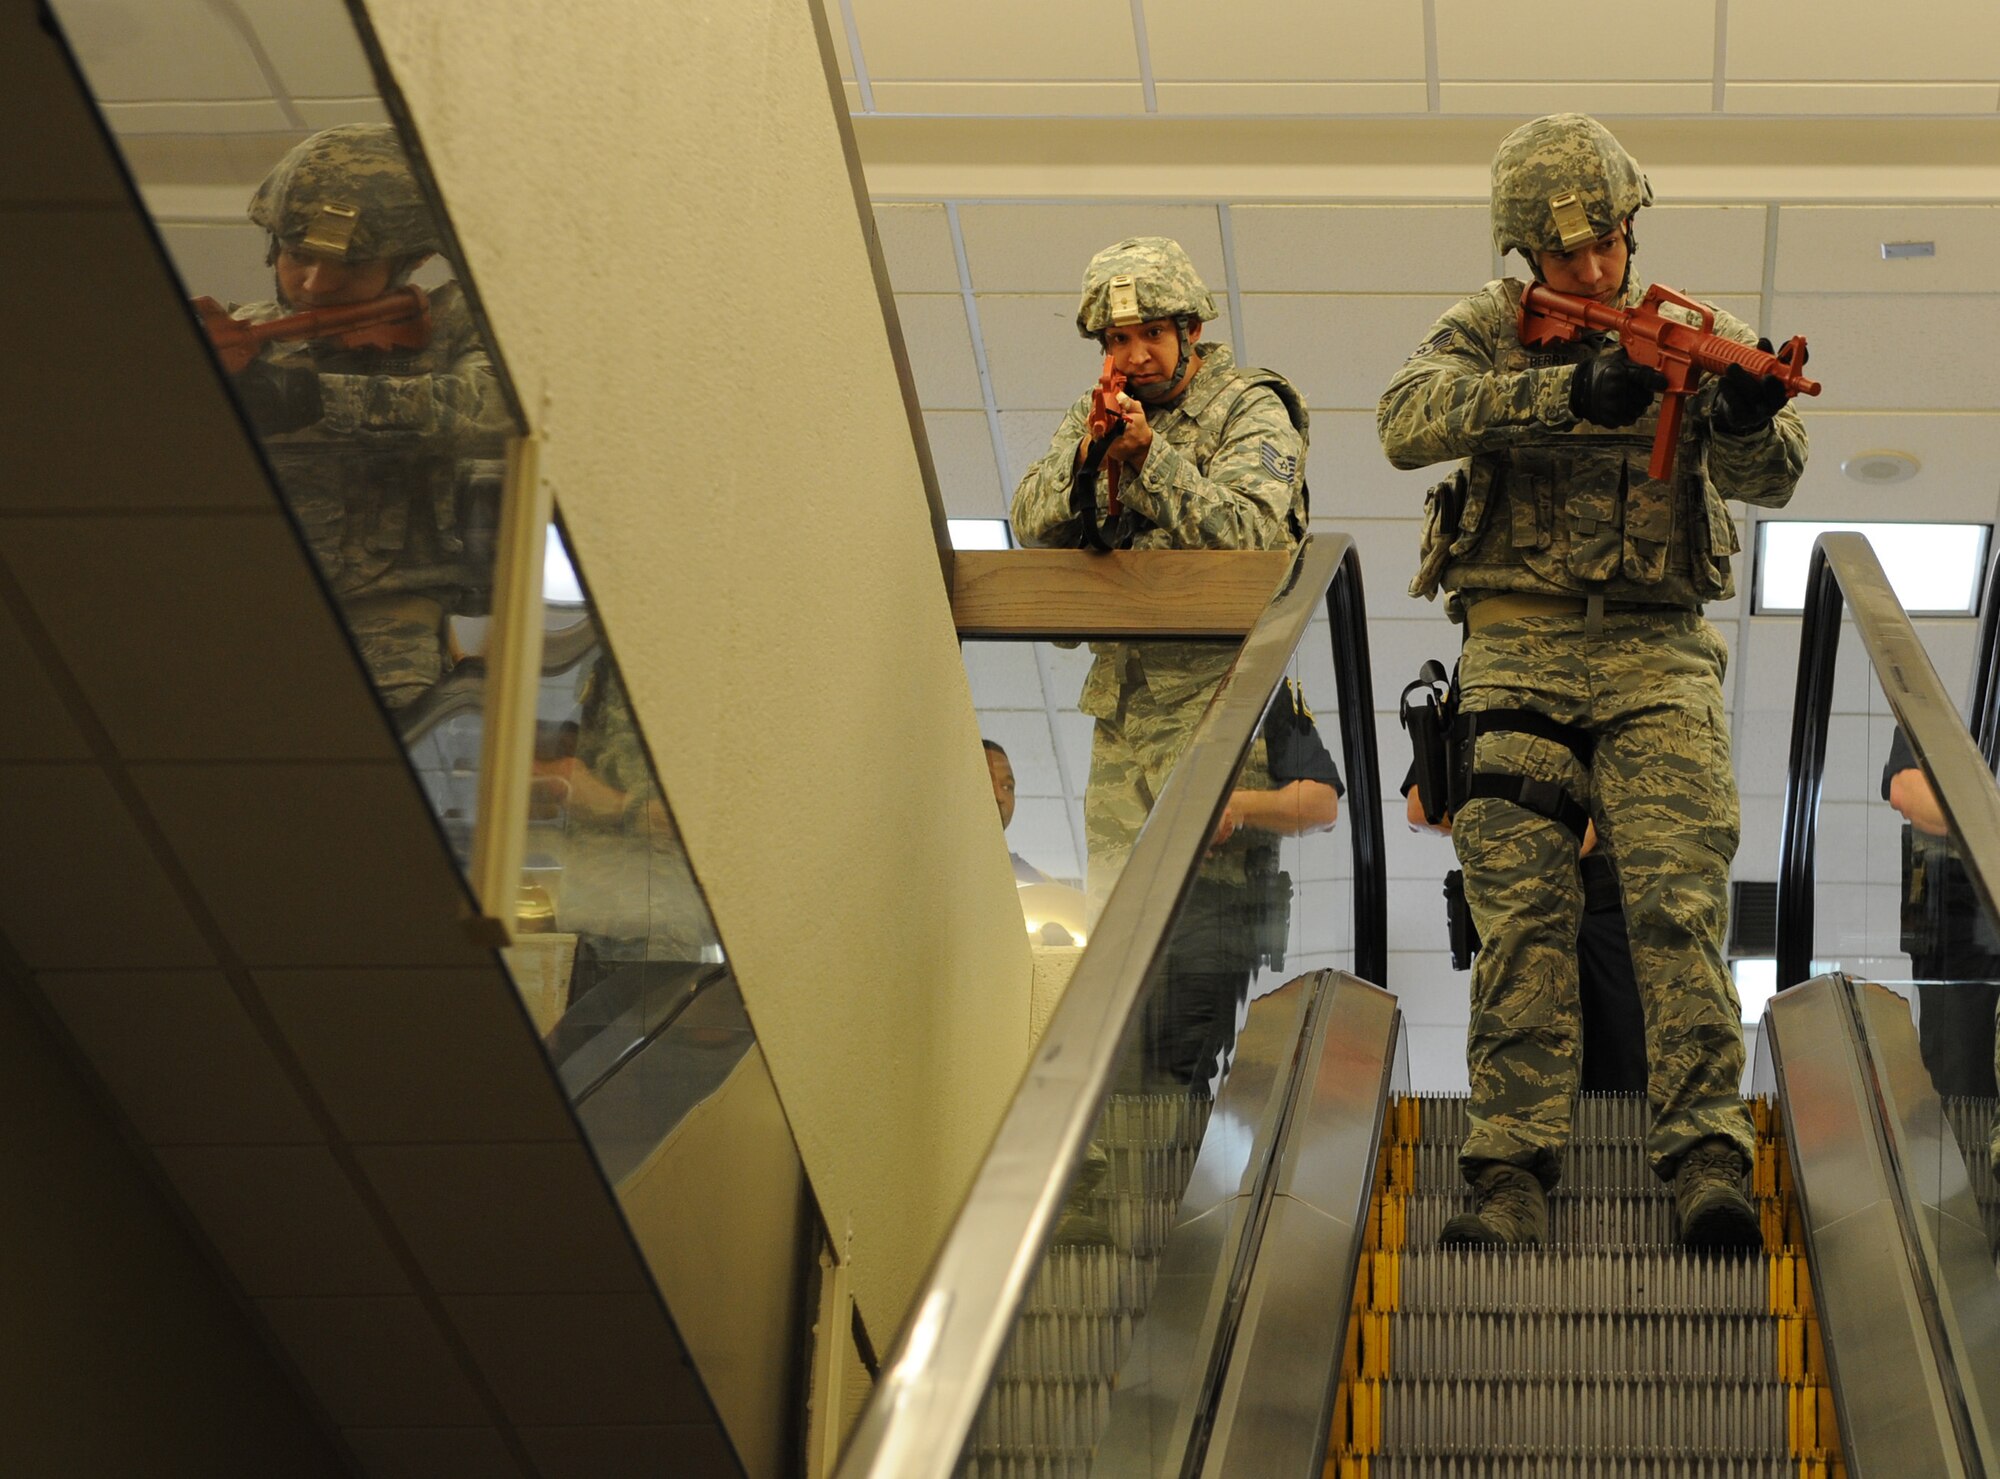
(1753, 919)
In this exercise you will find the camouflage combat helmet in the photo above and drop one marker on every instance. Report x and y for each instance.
(1140, 279)
(347, 192)
(1559, 182)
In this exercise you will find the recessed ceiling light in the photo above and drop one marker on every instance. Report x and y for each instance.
(1880, 467)
(1902, 251)
(1933, 568)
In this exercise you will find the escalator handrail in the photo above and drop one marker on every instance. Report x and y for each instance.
(1354, 685)
(1845, 571)
(1985, 710)
(923, 1408)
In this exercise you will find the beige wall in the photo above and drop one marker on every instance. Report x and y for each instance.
(655, 204)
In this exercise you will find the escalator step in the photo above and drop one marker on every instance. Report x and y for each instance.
(1428, 1414)
(1668, 1281)
(1479, 1464)
(1676, 1347)
(1590, 1165)
(1591, 1219)
(1598, 1118)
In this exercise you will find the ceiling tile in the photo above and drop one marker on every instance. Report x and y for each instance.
(1339, 350)
(940, 349)
(34, 723)
(313, 47)
(318, 113)
(80, 887)
(169, 676)
(1074, 733)
(394, 1085)
(224, 261)
(68, 162)
(1289, 99)
(916, 244)
(1388, 550)
(423, 1453)
(1842, 40)
(962, 451)
(1361, 248)
(580, 1358)
(1042, 834)
(1352, 479)
(1880, 352)
(1713, 248)
(1010, 99)
(1534, 40)
(1838, 249)
(1860, 99)
(181, 1056)
(1608, 100)
(1030, 749)
(1027, 40)
(129, 343)
(285, 1219)
(288, 858)
(374, 1362)
(1003, 675)
(163, 49)
(1345, 40)
(1958, 458)
(554, 1229)
(1024, 439)
(688, 1451)
(249, 116)
(1044, 248)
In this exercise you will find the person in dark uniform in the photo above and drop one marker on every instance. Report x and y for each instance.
(1951, 938)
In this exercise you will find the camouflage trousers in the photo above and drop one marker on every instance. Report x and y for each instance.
(1131, 755)
(403, 650)
(1648, 688)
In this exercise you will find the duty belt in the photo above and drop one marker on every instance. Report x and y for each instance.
(1513, 605)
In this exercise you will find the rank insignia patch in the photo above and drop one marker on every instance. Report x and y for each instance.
(1441, 340)
(1278, 464)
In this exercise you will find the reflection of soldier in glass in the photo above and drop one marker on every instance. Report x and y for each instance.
(1238, 916)
(626, 889)
(371, 444)
(1949, 936)
(1210, 457)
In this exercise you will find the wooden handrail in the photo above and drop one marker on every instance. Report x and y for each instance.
(1128, 593)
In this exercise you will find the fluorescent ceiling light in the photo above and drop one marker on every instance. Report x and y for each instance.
(560, 586)
(1935, 568)
(979, 534)
(1756, 983)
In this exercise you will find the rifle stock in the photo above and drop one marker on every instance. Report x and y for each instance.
(1668, 332)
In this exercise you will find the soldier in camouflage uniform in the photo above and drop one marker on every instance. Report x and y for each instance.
(1211, 457)
(375, 449)
(1581, 582)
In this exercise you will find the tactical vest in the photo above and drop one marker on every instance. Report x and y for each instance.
(1574, 512)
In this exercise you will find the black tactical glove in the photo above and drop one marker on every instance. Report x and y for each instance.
(1612, 391)
(1745, 403)
(278, 398)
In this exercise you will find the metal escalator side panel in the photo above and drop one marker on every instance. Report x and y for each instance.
(1950, 1228)
(1895, 1413)
(1168, 1372)
(1275, 1406)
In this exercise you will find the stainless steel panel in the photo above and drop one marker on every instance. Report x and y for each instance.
(1165, 1379)
(1895, 1416)
(1277, 1396)
(1950, 1229)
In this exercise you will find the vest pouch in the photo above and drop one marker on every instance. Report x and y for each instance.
(1649, 525)
(1444, 507)
(1591, 510)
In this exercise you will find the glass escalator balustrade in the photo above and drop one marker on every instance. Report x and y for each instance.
(319, 265)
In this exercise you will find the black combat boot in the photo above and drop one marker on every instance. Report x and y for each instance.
(1708, 1196)
(1512, 1208)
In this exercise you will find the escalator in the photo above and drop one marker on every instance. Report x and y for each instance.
(1271, 1299)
